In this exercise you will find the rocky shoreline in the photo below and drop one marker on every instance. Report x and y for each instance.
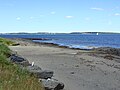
(108, 50)
(44, 76)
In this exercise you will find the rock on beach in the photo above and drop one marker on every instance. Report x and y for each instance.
(108, 50)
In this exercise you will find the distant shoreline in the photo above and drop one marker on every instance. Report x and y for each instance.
(24, 33)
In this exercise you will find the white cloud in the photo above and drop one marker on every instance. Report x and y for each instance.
(68, 16)
(18, 18)
(98, 9)
(117, 14)
(53, 12)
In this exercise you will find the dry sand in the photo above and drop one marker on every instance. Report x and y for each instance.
(78, 70)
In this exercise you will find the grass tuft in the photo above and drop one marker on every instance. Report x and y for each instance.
(6, 42)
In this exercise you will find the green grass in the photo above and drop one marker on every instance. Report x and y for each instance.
(12, 77)
(6, 42)
(4, 50)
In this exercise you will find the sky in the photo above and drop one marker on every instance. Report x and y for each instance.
(59, 16)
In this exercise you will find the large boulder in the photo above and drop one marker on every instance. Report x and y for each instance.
(38, 72)
(31, 68)
(23, 63)
(108, 50)
(16, 58)
(52, 84)
(43, 74)
(19, 60)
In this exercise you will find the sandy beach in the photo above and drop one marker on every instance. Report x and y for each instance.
(77, 69)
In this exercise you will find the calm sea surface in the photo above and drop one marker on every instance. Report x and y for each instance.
(83, 41)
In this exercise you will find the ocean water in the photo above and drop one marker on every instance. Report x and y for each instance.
(83, 41)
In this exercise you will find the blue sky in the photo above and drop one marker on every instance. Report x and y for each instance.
(59, 16)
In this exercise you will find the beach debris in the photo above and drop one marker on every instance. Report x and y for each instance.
(72, 72)
(15, 44)
(110, 57)
(32, 64)
(92, 67)
(117, 66)
(76, 65)
(52, 84)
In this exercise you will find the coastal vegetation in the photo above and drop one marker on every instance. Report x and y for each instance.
(6, 42)
(11, 76)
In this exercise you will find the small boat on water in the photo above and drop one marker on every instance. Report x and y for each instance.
(97, 33)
